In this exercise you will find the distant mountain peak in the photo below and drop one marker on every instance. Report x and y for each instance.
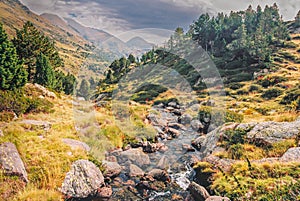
(139, 42)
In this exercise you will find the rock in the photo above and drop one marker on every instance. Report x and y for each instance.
(291, 155)
(149, 147)
(156, 120)
(39, 124)
(112, 169)
(267, 133)
(135, 171)
(177, 126)
(43, 90)
(173, 132)
(199, 193)
(104, 192)
(162, 147)
(177, 112)
(1, 133)
(75, 144)
(195, 107)
(83, 180)
(11, 162)
(111, 158)
(135, 156)
(174, 105)
(188, 148)
(160, 175)
(163, 163)
(217, 198)
(223, 163)
(185, 119)
(198, 142)
(197, 125)
(193, 160)
(293, 68)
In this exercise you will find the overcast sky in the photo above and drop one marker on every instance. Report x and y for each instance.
(118, 16)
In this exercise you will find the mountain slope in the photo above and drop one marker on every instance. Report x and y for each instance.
(72, 48)
(139, 43)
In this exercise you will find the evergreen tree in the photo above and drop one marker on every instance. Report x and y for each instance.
(30, 43)
(12, 73)
(131, 58)
(297, 19)
(44, 75)
(69, 84)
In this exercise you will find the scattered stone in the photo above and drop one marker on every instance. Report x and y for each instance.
(198, 192)
(112, 169)
(160, 175)
(185, 119)
(195, 107)
(291, 155)
(163, 163)
(174, 105)
(135, 171)
(111, 158)
(43, 90)
(193, 160)
(197, 125)
(39, 124)
(173, 132)
(188, 148)
(135, 156)
(104, 192)
(75, 144)
(83, 180)
(223, 163)
(197, 143)
(217, 198)
(11, 162)
(177, 126)
(156, 121)
(177, 112)
(149, 147)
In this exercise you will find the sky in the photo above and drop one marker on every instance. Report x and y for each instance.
(124, 16)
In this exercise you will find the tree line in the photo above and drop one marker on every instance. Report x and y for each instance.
(31, 57)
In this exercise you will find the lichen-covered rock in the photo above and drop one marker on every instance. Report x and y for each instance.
(135, 156)
(11, 162)
(75, 144)
(199, 193)
(104, 192)
(112, 169)
(291, 155)
(266, 133)
(83, 180)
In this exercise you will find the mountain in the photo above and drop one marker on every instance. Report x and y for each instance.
(139, 43)
(72, 47)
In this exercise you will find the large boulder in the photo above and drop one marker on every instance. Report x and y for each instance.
(199, 193)
(291, 155)
(112, 169)
(135, 156)
(197, 125)
(75, 144)
(11, 162)
(83, 180)
(266, 133)
(185, 119)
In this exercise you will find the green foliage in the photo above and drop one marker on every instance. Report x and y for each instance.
(148, 92)
(15, 101)
(291, 95)
(44, 74)
(271, 93)
(236, 151)
(254, 88)
(234, 137)
(236, 85)
(267, 80)
(6, 116)
(12, 73)
(30, 43)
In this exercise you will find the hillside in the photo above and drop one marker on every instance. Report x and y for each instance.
(72, 48)
(179, 123)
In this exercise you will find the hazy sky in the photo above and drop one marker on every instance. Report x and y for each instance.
(118, 16)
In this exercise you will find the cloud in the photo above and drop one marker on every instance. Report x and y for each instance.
(117, 16)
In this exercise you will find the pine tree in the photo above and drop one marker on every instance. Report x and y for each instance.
(44, 75)
(12, 73)
(30, 42)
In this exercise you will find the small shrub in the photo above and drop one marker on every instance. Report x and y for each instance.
(236, 151)
(270, 80)
(6, 116)
(291, 95)
(233, 137)
(271, 93)
(242, 92)
(236, 85)
(254, 88)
